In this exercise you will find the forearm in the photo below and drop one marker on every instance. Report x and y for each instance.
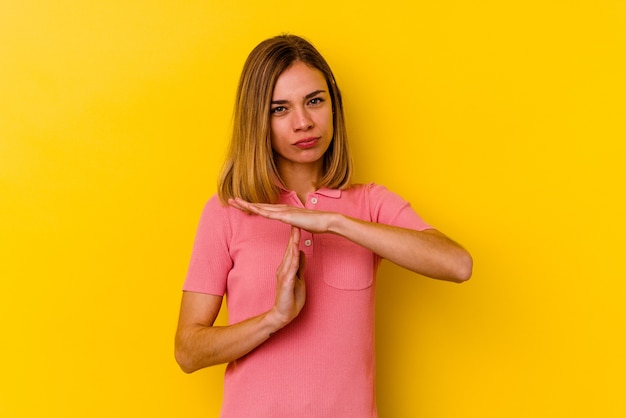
(428, 252)
(199, 346)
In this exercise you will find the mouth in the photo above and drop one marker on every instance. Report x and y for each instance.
(307, 142)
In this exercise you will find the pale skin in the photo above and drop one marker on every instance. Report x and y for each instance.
(301, 111)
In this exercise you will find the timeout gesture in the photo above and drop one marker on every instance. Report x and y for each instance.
(310, 220)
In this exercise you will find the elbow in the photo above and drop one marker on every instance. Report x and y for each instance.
(465, 266)
(184, 358)
(183, 361)
(189, 359)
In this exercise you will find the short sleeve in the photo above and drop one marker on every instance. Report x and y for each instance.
(210, 258)
(390, 209)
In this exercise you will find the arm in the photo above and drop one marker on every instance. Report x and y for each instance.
(200, 344)
(427, 252)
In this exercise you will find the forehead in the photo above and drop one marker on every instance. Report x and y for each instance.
(299, 79)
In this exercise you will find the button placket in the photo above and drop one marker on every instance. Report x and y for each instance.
(306, 239)
(306, 243)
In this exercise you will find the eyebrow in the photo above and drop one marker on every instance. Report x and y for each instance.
(308, 96)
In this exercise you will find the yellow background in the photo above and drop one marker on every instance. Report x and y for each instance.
(503, 122)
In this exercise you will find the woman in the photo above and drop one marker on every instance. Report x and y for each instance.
(295, 247)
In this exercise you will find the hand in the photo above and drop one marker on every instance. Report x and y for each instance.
(310, 220)
(290, 286)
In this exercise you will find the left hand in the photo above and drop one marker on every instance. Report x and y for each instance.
(310, 220)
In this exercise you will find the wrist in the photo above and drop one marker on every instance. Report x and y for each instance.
(335, 225)
(274, 320)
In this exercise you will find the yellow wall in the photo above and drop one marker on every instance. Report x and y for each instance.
(503, 122)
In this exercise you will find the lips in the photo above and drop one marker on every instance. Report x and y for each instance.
(307, 142)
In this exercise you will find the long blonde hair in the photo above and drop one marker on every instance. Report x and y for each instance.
(250, 171)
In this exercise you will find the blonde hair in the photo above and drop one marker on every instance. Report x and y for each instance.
(250, 171)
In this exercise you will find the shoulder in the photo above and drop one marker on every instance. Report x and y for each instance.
(371, 201)
(386, 206)
(216, 214)
(214, 207)
(369, 191)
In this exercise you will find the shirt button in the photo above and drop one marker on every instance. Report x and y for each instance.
(307, 242)
(314, 200)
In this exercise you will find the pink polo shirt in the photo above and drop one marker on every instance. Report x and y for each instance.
(322, 363)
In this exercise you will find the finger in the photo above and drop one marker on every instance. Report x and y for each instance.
(289, 292)
(272, 207)
(260, 205)
(239, 204)
(295, 253)
(295, 232)
(289, 265)
(249, 208)
(263, 207)
(301, 264)
(288, 255)
(299, 290)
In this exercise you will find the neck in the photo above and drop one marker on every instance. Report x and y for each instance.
(301, 178)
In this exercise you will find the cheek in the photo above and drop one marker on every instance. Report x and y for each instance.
(274, 133)
(329, 121)
(329, 126)
(278, 136)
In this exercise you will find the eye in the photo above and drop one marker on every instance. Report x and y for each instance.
(278, 109)
(315, 101)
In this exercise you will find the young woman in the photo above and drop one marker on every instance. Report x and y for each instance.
(294, 246)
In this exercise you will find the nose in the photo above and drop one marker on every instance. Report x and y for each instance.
(302, 120)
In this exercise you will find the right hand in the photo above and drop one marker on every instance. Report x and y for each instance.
(290, 286)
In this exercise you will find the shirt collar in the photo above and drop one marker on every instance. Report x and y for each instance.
(334, 193)
(324, 191)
